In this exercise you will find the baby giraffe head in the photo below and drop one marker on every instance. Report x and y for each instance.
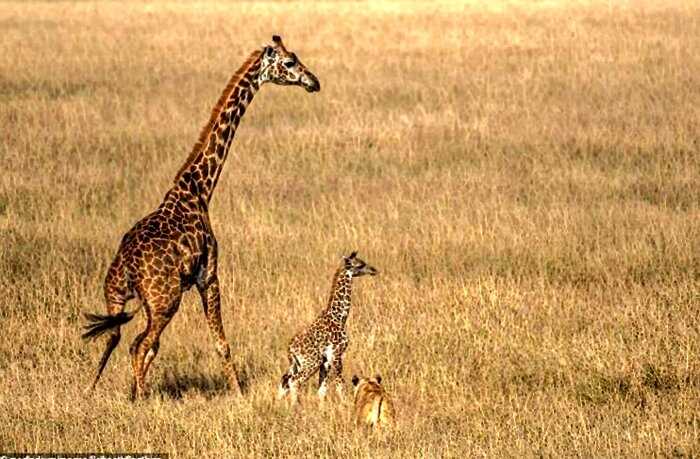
(355, 267)
(280, 66)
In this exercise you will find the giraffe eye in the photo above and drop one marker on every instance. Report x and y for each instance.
(290, 64)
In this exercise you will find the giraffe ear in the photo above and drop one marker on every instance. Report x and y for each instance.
(378, 379)
(276, 39)
(352, 255)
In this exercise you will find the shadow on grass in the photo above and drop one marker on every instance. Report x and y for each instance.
(176, 385)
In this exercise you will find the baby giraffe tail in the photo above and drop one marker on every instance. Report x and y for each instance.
(97, 325)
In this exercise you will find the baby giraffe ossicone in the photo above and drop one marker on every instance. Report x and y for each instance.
(320, 347)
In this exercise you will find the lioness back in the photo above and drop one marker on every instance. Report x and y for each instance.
(373, 407)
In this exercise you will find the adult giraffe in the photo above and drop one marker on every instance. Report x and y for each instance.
(174, 248)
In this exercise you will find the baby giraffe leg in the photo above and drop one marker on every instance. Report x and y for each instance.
(300, 378)
(284, 384)
(287, 382)
(323, 378)
(338, 376)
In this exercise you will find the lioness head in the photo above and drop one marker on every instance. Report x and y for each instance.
(359, 381)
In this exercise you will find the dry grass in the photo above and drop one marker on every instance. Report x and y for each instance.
(525, 175)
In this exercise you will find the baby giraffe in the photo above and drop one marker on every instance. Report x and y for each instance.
(320, 347)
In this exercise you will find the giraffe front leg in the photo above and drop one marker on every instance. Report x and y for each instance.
(338, 375)
(211, 301)
(324, 372)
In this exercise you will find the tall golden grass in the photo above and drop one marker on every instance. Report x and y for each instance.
(525, 175)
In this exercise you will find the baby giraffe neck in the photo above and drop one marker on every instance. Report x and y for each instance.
(340, 300)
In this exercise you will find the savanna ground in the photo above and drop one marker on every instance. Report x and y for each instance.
(524, 174)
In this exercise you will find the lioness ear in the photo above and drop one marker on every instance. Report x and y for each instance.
(355, 380)
(378, 379)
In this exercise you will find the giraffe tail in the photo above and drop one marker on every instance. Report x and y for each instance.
(98, 324)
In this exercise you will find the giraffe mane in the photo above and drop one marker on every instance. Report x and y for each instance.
(216, 111)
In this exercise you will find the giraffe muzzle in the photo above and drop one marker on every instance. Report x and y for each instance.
(311, 83)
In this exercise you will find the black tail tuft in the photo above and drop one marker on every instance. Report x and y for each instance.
(98, 324)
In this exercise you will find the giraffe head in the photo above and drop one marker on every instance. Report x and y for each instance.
(356, 267)
(281, 66)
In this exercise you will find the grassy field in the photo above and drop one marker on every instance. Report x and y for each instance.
(526, 176)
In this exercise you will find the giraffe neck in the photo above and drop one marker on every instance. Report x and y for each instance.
(200, 173)
(339, 302)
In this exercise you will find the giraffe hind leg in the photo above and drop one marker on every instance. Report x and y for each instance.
(145, 347)
(300, 377)
(150, 355)
(137, 385)
(284, 386)
(284, 383)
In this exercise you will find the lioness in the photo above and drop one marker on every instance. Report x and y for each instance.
(372, 405)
